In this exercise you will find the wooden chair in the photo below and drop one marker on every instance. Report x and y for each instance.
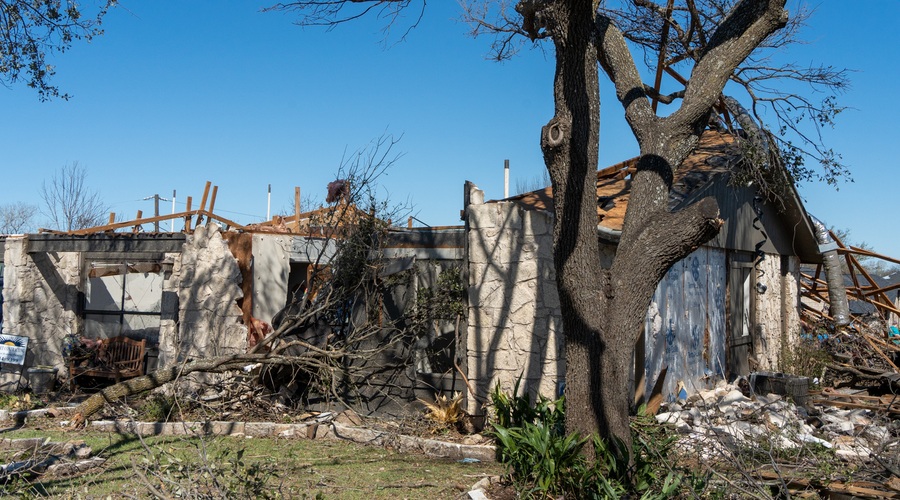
(118, 358)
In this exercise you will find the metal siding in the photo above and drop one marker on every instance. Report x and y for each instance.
(685, 325)
(747, 231)
(715, 310)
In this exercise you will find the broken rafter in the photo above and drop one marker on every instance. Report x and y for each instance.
(120, 225)
(869, 253)
(831, 489)
(203, 203)
(852, 262)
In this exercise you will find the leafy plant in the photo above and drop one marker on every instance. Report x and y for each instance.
(21, 402)
(543, 462)
(159, 408)
(515, 410)
(546, 462)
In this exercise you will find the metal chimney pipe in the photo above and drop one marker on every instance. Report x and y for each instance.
(506, 178)
(173, 210)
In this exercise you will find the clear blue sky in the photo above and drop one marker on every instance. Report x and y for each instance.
(178, 93)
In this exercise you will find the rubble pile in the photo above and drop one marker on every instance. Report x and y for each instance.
(722, 421)
(40, 456)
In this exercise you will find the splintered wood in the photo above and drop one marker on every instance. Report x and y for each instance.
(307, 223)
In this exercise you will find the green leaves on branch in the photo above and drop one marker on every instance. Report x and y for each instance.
(31, 29)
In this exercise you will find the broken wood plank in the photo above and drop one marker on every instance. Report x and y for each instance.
(880, 353)
(203, 203)
(223, 220)
(212, 202)
(119, 225)
(869, 253)
(851, 262)
(137, 227)
(866, 488)
(297, 207)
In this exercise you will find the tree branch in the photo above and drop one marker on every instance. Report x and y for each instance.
(737, 37)
(616, 61)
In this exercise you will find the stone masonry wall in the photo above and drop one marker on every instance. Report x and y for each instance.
(777, 310)
(40, 300)
(208, 280)
(513, 325)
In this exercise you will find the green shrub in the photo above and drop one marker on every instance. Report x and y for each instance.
(545, 462)
(541, 461)
(515, 411)
(159, 408)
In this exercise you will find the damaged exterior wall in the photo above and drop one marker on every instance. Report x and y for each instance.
(777, 312)
(514, 327)
(685, 326)
(728, 308)
(44, 296)
(271, 269)
(41, 300)
(208, 280)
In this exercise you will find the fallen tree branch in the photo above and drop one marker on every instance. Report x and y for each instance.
(159, 378)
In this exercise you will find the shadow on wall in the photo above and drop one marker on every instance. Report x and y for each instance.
(514, 329)
(208, 282)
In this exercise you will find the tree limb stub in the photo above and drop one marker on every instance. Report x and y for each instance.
(554, 133)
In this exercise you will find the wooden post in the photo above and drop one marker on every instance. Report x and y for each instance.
(187, 218)
(297, 207)
(212, 201)
(137, 227)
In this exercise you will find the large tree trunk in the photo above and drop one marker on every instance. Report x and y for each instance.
(603, 311)
(570, 146)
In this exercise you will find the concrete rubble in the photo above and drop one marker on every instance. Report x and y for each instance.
(719, 421)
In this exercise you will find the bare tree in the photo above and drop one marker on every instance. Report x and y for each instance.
(533, 183)
(29, 30)
(69, 204)
(717, 41)
(17, 218)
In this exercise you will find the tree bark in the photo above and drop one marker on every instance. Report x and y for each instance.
(151, 381)
(603, 311)
(570, 146)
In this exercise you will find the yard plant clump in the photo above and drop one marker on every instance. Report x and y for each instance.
(545, 462)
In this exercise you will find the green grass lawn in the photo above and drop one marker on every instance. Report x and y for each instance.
(236, 467)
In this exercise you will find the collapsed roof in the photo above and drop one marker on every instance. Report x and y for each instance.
(704, 173)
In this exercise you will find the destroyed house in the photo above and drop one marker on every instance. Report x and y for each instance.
(728, 308)
(193, 294)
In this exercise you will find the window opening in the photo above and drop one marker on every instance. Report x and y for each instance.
(123, 298)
